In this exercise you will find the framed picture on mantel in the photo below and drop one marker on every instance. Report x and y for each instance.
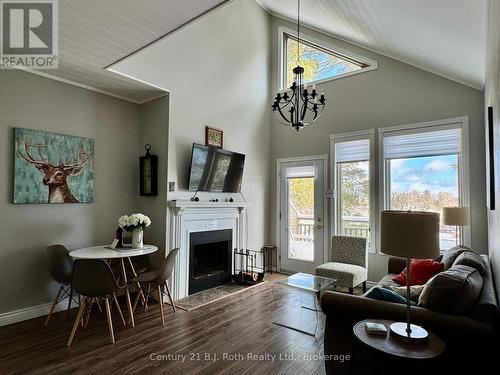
(213, 137)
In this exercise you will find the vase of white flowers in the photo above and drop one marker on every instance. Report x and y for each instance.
(136, 224)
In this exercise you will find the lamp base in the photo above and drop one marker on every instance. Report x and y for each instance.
(418, 335)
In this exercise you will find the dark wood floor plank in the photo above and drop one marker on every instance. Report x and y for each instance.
(236, 325)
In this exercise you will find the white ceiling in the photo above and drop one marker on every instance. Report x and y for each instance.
(446, 37)
(95, 33)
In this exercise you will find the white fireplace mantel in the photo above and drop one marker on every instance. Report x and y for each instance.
(186, 217)
(183, 205)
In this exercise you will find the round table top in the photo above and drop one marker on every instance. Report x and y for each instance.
(393, 346)
(103, 252)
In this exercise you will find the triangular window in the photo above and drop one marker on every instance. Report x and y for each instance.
(319, 62)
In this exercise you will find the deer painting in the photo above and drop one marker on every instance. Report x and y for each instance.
(54, 176)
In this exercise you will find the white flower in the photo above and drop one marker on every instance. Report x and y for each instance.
(134, 221)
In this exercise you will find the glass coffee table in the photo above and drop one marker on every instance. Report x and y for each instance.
(305, 282)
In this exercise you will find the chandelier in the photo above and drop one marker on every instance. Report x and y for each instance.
(300, 107)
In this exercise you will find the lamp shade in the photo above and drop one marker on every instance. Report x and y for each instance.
(456, 216)
(409, 234)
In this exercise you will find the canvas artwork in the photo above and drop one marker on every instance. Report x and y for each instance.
(52, 167)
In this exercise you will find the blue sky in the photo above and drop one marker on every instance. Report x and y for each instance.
(427, 173)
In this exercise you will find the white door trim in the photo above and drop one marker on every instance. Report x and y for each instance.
(279, 162)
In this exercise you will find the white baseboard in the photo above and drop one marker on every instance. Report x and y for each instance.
(31, 312)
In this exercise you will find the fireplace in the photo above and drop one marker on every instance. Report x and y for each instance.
(209, 259)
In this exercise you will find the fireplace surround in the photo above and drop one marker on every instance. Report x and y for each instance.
(186, 217)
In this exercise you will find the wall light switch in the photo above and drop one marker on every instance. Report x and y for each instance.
(171, 186)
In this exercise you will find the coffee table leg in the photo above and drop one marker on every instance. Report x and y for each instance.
(313, 334)
(127, 295)
(317, 314)
(314, 308)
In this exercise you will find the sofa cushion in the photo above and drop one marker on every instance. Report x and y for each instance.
(421, 271)
(454, 291)
(452, 254)
(486, 308)
(415, 291)
(347, 275)
(385, 294)
(387, 281)
(468, 258)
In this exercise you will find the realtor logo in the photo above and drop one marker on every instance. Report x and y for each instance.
(28, 34)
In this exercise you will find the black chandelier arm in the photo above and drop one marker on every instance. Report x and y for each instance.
(304, 110)
(282, 115)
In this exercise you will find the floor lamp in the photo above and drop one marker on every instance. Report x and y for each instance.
(410, 235)
(457, 216)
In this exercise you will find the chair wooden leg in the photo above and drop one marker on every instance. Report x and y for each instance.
(137, 297)
(141, 294)
(70, 297)
(53, 306)
(351, 290)
(147, 297)
(110, 322)
(89, 311)
(98, 303)
(119, 309)
(170, 296)
(364, 287)
(77, 322)
(160, 301)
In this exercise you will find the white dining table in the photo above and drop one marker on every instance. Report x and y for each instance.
(105, 252)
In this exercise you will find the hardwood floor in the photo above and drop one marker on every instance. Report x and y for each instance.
(214, 339)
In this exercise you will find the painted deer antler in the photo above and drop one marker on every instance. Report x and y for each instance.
(85, 155)
(29, 158)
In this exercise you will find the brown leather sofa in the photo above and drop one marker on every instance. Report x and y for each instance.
(471, 341)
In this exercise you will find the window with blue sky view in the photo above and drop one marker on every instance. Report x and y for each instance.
(318, 62)
(426, 184)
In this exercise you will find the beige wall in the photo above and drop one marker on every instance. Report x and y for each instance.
(217, 72)
(30, 101)
(154, 130)
(394, 94)
(492, 98)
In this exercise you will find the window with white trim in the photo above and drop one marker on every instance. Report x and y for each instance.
(320, 61)
(353, 185)
(423, 171)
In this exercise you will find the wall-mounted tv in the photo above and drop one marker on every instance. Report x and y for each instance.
(215, 169)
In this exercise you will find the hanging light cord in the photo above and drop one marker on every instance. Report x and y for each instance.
(298, 32)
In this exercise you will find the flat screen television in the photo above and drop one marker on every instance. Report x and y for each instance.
(215, 169)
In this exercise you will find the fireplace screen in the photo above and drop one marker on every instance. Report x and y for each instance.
(210, 255)
(209, 259)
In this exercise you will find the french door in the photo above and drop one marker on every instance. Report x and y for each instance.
(301, 217)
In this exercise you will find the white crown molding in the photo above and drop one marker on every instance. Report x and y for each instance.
(95, 89)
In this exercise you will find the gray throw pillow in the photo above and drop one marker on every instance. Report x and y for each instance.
(452, 254)
(454, 291)
(468, 258)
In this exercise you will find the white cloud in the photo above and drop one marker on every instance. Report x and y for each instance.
(437, 165)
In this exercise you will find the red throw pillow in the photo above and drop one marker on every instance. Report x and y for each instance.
(421, 271)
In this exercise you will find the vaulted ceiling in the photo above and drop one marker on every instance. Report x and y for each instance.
(95, 33)
(446, 37)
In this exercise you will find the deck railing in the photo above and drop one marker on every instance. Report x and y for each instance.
(351, 226)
